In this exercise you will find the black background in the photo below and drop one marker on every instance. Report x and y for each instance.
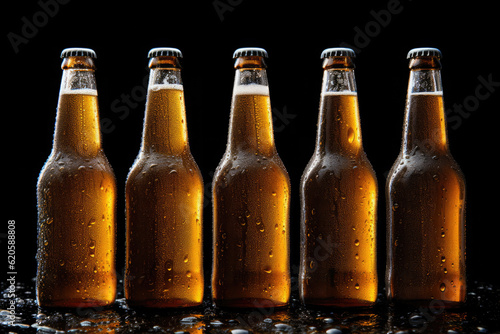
(294, 34)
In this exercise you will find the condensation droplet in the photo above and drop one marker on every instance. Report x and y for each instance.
(442, 287)
(350, 135)
(186, 258)
(356, 242)
(267, 269)
(356, 286)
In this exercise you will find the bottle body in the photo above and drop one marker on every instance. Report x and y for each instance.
(425, 204)
(76, 194)
(164, 199)
(338, 208)
(251, 198)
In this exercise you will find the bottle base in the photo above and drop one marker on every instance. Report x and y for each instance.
(163, 303)
(435, 304)
(338, 302)
(249, 303)
(75, 303)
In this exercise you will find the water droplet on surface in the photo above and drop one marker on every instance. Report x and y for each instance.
(267, 269)
(442, 287)
(356, 242)
(356, 286)
(189, 320)
(395, 206)
(186, 258)
(443, 259)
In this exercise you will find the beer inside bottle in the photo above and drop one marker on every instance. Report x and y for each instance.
(425, 198)
(76, 194)
(251, 198)
(164, 198)
(338, 199)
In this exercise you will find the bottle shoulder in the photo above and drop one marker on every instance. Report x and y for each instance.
(338, 163)
(68, 162)
(420, 167)
(153, 165)
(71, 172)
(250, 166)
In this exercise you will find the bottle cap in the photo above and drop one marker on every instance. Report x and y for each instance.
(338, 52)
(78, 52)
(157, 52)
(245, 52)
(424, 52)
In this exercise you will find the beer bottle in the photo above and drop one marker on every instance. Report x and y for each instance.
(164, 198)
(425, 198)
(76, 195)
(338, 193)
(251, 198)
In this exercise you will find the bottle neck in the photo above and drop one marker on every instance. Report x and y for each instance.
(339, 129)
(165, 129)
(77, 124)
(251, 125)
(425, 122)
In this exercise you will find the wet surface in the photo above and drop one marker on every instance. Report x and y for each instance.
(481, 314)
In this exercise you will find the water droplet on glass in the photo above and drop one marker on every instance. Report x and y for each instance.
(442, 287)
(92, 248)
(443, 259)
(267, 269)
(356, 242)
(186, 259)
(356, 286)
(350, 135)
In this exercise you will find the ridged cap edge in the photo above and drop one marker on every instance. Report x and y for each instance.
(78, 52)
(338, 52)
(424, 52)
(157, 52)
(245, 52)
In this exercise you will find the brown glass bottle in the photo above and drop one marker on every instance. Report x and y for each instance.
(164, 199)
(338, 198)
(425, 198)
(251, 198)
(76, 194)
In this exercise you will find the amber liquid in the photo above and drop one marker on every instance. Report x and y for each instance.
(425, 209)
(339, 201)
(251, 198)
(164, 198)
(76, 212)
